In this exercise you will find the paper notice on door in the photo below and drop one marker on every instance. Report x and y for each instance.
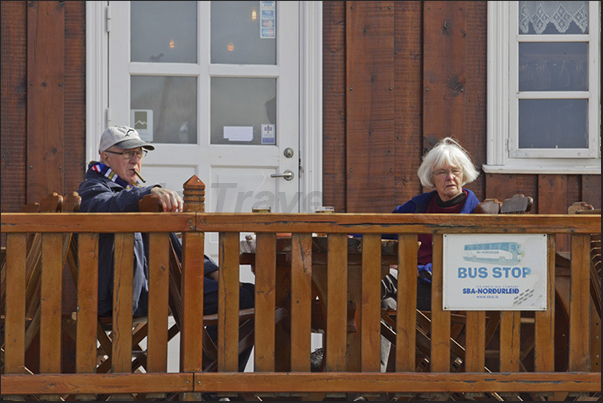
(238, 133)
(267, 20)
(268, 136)
(142, 121)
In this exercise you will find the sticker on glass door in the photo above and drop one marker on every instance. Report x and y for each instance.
(268, 134)
(142, 121)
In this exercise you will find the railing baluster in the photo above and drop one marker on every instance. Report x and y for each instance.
(14, 337)
(87, 297)
(337, 291)
(370, 329)
(228, 305)
(406, 319)
(510, 328)
(50, 296)
(579, 332)
(301, 301)
(122, 303)
(159, 280)
(440, 320)
(265, 277)
(86, 277)
(476, 341)
(544, 346)
(50, 305)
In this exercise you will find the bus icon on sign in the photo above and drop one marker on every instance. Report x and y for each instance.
(494, 252)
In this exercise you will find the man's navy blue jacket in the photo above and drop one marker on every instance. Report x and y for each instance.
(99, 194)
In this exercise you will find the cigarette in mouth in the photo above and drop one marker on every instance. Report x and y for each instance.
(140, 176)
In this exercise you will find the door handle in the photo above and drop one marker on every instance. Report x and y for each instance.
(288, 175)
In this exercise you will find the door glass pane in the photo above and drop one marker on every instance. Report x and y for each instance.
(243, 111)
(243, 32)
(164, 109)
(555, 66)
(164, 31)
(553, 123)
(553, 17)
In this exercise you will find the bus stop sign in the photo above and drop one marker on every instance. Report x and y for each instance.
(495, 272)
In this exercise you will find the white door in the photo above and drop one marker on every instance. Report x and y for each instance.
(219, 89)
(214, 85)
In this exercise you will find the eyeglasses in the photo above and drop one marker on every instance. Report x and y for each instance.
(444, 172)
(128, 154)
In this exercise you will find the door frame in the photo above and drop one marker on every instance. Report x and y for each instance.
(98, 25)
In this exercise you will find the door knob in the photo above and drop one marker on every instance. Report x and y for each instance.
(288, 175)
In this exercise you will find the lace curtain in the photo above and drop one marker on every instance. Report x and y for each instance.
(559, 13)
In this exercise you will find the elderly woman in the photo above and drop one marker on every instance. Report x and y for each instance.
(446, 168)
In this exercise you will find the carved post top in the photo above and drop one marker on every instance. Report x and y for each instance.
(194, 195)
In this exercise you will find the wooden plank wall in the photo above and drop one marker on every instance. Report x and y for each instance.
(440, 83)
(334, 115)
(408, 93)
(370, 106)
(454, 77)
(371, 158)
(372, 133)
(373, 137)
(43, 99)
(14, 104)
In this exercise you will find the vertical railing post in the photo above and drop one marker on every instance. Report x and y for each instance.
(193, 252)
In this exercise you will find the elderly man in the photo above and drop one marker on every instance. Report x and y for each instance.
(113, 185)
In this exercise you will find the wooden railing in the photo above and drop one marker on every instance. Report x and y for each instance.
(580, 377)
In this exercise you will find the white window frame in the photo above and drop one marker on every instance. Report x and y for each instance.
(503, 99)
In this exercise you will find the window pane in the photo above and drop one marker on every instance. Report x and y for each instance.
(164, 31)
(243, 111)
(553, 17)
(553, 66)
(553, 123)
(243, 32)
(170, 103)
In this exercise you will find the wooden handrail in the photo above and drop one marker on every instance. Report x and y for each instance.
(340, 223)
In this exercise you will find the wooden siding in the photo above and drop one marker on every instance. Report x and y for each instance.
(46, 97)
(14, 104)
(370, 106)
(440, 84)
(373, 137)
(334, 113)
(408, 98)
(43, 99)
(439, 67)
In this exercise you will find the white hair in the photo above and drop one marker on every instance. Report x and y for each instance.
(446, 152)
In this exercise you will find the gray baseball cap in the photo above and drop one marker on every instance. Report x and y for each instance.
(123, 137)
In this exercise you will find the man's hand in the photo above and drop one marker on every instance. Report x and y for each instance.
(171, 202)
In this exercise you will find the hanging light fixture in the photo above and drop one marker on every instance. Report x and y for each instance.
(254, 14)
